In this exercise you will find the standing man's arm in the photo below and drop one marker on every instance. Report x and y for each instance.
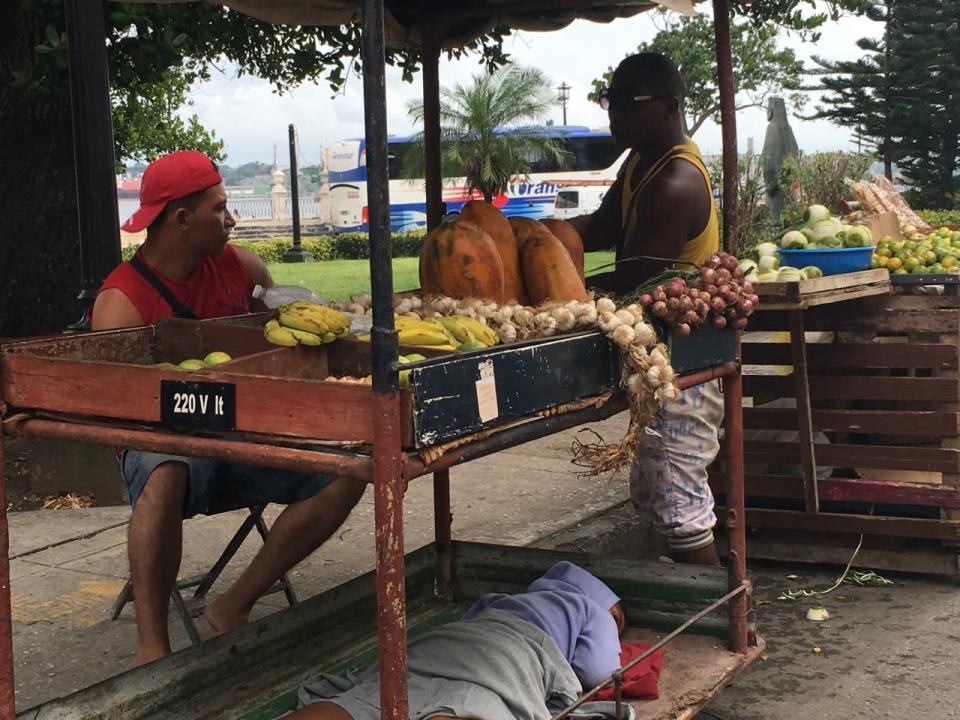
(601, 230)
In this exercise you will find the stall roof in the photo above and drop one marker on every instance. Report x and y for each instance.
(459, 22)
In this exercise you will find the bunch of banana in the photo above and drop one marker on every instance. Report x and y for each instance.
(426, 333)
(470, 333)
(306, 323)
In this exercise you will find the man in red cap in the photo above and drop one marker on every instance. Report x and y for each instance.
(185, 268)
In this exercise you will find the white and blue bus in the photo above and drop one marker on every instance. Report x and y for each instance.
(592, 159)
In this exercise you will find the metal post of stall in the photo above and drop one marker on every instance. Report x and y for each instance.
(97, 214)
(7, 697)
(387, 458)
(297, 253)
(728, 124)
(736, 522)
(430, 58)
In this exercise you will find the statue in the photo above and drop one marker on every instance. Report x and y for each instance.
(778, 144)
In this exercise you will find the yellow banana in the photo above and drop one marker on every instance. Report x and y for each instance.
(328, 337)
(293, 319)
(422, 337)
(281, 336)
(304, 337)
(271, 325)
(321, 314)
(446, 346)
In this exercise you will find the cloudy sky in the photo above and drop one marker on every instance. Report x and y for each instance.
(251, 118)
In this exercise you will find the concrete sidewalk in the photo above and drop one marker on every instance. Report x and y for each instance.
(67, 566)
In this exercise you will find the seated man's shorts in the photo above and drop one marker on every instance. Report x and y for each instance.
(213, 484)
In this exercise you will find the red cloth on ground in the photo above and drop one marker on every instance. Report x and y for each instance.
(640, 681)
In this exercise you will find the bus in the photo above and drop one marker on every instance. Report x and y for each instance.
(593, 160)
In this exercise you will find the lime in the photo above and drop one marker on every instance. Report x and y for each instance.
(900, 271)
(949, 261)
(874, 262)
(911, 265)
(884, 252)
(937, 268)
(894, 264)
(881, 260)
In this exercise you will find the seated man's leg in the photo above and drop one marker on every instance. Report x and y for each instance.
(162, 490)
(668, 480)
(316, 507)
(329, 711)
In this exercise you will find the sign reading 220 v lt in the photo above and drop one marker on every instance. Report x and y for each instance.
(200, 405)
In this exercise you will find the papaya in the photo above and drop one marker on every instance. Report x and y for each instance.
(522, 228)
(460, 260)
(495, 224)
(548, 269)
(567, 234)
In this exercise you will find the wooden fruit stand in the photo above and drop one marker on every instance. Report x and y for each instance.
(877, 398)
(97, 388)
(287, 412)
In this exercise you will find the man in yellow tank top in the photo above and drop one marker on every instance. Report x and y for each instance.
(660, 210)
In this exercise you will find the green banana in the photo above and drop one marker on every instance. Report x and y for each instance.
(461, 333)
(328, 337)
(481, 332)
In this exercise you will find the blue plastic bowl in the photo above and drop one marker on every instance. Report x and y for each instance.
(831, 261)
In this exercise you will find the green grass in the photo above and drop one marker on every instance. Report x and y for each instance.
(339, 279)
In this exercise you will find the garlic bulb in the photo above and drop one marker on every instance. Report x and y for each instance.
(653, 376)
(566, 320)
(645, 334)
(588, 317)
(626, 317)
(606, 305)
(636, 309)
(608, 321)
(356, 308)
(658, 356)
(634, 384)
(507, 332)
(623, 336)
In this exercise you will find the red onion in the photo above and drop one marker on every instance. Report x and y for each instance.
(711, 290)
(746, 307)
(686, 304)
(676, 288)
(691, 318)
(739, 324)
(646, 300)
(713, 261)
(659, 309)
(659, 295)
(708, 276)
(705, 296)
(718, 305)
(729, 262)
(719, 322)
(755, 299)
(673, 304)
(746, 286)
(682, 330)
(724, 275)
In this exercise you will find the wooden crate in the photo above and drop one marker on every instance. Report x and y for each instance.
(819, 291)
(885, 393)
(288, 391)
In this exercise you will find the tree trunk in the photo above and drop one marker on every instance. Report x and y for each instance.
(948, 165)
(39, 248)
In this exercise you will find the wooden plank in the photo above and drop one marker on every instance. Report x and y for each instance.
(879, 422)
(302, 408)
(940, 356)
(842, 522)
(856, 456)
(845, 490)
(804, 420)
(797, 289)
(851, 318)
(130, 345)
(848, 387)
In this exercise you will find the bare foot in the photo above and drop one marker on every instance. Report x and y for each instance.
(146, 655)
(222, 618)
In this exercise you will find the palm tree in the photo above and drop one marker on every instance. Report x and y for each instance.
(472, 123)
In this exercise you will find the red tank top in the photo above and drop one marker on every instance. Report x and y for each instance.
(217, 287)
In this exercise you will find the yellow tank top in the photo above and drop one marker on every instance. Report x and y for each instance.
(707, 242)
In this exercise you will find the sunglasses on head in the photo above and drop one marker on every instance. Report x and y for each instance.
(611, 98)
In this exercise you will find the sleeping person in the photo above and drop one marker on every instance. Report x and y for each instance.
(510, 656)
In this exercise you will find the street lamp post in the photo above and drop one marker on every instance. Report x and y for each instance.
(563, 97)
(297, 253)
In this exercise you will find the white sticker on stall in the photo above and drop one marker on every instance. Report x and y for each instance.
(487, 392)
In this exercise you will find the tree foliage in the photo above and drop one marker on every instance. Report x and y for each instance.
(903, 95)
(760, 67)
(156, 52)
(471, 121)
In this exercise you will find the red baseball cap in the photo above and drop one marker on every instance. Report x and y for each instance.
(171, 177)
